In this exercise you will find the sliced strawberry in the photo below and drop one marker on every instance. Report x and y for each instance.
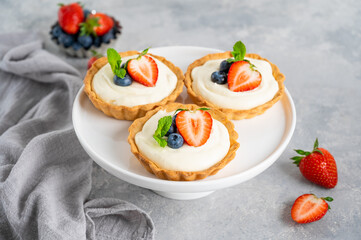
(309, 208)
(70, 16)
(195, 127)
(243, 77)
(143, 70)
(105, 23)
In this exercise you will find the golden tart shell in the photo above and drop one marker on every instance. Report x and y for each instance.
(233, 113)
(125, 112)
(153, 168)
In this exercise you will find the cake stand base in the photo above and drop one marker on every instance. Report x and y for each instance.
(183, 196)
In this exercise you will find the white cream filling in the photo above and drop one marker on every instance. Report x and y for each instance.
(185, 158)
(136, 93)
(223, 97)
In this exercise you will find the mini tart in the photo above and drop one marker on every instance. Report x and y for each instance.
(151, 167)
(233, 113)
(125, 112)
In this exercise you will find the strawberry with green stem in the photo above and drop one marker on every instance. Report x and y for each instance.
(194, 127)
(242, 75)
(309, 208)
(96, 24)
(70, 17)
(318, 166)
(95, 57)
(143, 69)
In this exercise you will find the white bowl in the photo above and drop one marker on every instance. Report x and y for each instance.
(262, 140)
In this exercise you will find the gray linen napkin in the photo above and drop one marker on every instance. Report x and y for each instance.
(45, 175)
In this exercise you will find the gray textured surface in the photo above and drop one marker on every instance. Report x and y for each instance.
(316, 44)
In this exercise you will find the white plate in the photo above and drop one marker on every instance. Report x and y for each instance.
(262, 140)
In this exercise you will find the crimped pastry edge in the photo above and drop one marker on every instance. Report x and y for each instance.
(172, 175)
(124, 112)
(234, 113)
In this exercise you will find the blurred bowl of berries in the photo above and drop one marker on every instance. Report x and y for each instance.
(78, 30)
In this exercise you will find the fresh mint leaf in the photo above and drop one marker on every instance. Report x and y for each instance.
(121, 72)
(231, 60)
(161, 141)
(163, 126)
(114, 59)
(239, 51)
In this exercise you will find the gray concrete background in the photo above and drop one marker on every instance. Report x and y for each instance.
(316, 44)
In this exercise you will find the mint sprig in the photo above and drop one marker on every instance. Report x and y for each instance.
(115, 61)
(238, 53)
(163, 126)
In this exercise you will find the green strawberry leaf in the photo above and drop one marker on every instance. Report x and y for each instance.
(163, 126)
(301, 152)
(87, 27)
(179, 110)
(315, 145)
(328, 199)
(96, 54)
(145, 51)
(204, 109)
(318, 150)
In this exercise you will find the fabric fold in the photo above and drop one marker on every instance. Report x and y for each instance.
(45, 175)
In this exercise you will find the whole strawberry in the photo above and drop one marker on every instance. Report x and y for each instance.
(96, 24)
(95, 57)
(309, 208)
(70, 16)
(317, 166)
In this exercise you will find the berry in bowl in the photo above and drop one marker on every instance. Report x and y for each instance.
(79, 30)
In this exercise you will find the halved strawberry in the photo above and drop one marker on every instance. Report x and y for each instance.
(194, 126)
(309, 208)
(243, 77)
(143, 70)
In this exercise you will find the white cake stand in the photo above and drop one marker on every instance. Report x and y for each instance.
(262, 140)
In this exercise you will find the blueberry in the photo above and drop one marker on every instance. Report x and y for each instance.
(126, 81)
(224, 66)
(175, 140)
(86, 13)
(66, 39)
(76, 46)
(173, 127)
(97, 41)
(219, 77)
(56, 31)
(85, 40)
(108, 36)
